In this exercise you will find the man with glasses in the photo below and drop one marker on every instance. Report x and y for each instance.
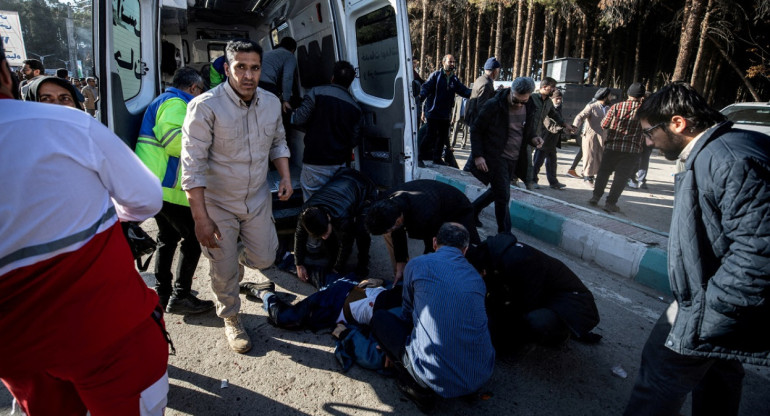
(500, 135)
(718, 259)
(159, 146)
(622, 147)
(229, 136)
(439, 95)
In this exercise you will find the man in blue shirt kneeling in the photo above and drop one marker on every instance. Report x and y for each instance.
(440, 344)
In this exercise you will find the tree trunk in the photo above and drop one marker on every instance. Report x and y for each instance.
(600, 66)
(547, 23)
(518, 40)
(593, 63)
(712, 87)
(475, 66)
(491, 47)
(463, 44)
(697, 80)
(499, 29)
(557, 35)
(567, 35)
(583, 35)
(638, 48)
(524, 70)
(531, 17)
(687, 39)
(422, 37)
(467, 41)
(439, 51)
(735, 67)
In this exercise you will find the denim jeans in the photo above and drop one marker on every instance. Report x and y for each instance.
(666, 377)
(549, 158)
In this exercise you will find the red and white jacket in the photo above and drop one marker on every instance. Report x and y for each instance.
(68, 287)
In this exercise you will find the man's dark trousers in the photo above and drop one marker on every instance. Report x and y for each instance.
(175, 223)
(623, 164)
(549, 158)
(438, 136)
(500, 176)
(665, 378)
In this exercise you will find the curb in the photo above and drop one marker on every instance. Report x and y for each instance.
(644, 264)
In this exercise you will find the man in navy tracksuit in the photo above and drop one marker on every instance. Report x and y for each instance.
(439, 92)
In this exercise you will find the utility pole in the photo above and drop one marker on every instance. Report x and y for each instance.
(71, 45)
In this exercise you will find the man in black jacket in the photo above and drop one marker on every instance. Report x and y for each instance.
(718, 259)
(500, 136)
(418, 208)
(531, 296)
(329, 223)
(332, 119)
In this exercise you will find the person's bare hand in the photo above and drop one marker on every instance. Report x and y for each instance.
(481, 164)
(537, 142)
(302, 273)
(286, 107)
(284, 189)
(207, 233)
(370, 283)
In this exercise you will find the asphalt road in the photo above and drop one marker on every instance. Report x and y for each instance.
(294, 372)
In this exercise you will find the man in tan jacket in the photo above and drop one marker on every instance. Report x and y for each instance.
(91, 95)
(593, 134)
(229, 135)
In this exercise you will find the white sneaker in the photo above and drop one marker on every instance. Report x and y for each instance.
(236, 335)
(632, 184)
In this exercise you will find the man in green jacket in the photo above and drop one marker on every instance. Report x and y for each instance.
(159, 147)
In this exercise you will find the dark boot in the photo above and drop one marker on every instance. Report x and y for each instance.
(188, 305)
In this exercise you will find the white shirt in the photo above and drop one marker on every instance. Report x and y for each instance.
(64, 178)
(363, 309)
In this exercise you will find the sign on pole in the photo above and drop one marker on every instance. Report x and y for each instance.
(13, 42)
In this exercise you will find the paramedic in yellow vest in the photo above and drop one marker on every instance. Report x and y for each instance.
(159, 146)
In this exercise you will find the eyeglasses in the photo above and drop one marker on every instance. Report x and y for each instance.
(647, 133)
(515, 101)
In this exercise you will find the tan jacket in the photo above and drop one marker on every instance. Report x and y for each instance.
(593, 113)
(226, 146)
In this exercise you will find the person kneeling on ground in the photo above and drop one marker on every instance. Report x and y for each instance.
(329, 223)
(418, 208)
(531, 296)
(440, 344)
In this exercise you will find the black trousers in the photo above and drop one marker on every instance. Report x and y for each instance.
(175, 224)
(438, 136)
(623, 164)
(499, 192)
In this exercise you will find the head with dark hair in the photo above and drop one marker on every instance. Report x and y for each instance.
(344, 74)
(236, 46)
(288, 43)
(384, 216)
(62, 73)
(187, 77)
(32, 68)
(547, 86)
(243, 67)
(316, 222)
(681, 114)
(452, 234)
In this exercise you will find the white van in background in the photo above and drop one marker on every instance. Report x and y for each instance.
(139, 43)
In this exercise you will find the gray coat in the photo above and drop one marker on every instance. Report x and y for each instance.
(719, 248)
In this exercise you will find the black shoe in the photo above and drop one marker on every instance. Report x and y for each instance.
(609, 207)
(424, 398)
(643, 186)
(558, 186)
(252, 289)
(188, 305)
(593, 201)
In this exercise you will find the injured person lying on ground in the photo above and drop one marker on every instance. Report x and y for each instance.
(531, 296)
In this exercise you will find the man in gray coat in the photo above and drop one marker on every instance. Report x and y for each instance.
(718, 259)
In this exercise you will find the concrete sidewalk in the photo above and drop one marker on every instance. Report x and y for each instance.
(618, 245)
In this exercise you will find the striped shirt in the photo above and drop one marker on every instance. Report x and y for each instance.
(449, 347)
(623, 133)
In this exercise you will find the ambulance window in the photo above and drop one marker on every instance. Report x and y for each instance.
(126, 32)
(216, 50)
(377, 47)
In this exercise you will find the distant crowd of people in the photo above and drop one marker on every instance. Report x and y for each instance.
(438, 322)
(34, 85)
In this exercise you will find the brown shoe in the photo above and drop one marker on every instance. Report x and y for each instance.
(236, 335)
(572, 174)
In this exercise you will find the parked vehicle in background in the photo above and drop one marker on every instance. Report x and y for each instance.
(750, 116)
